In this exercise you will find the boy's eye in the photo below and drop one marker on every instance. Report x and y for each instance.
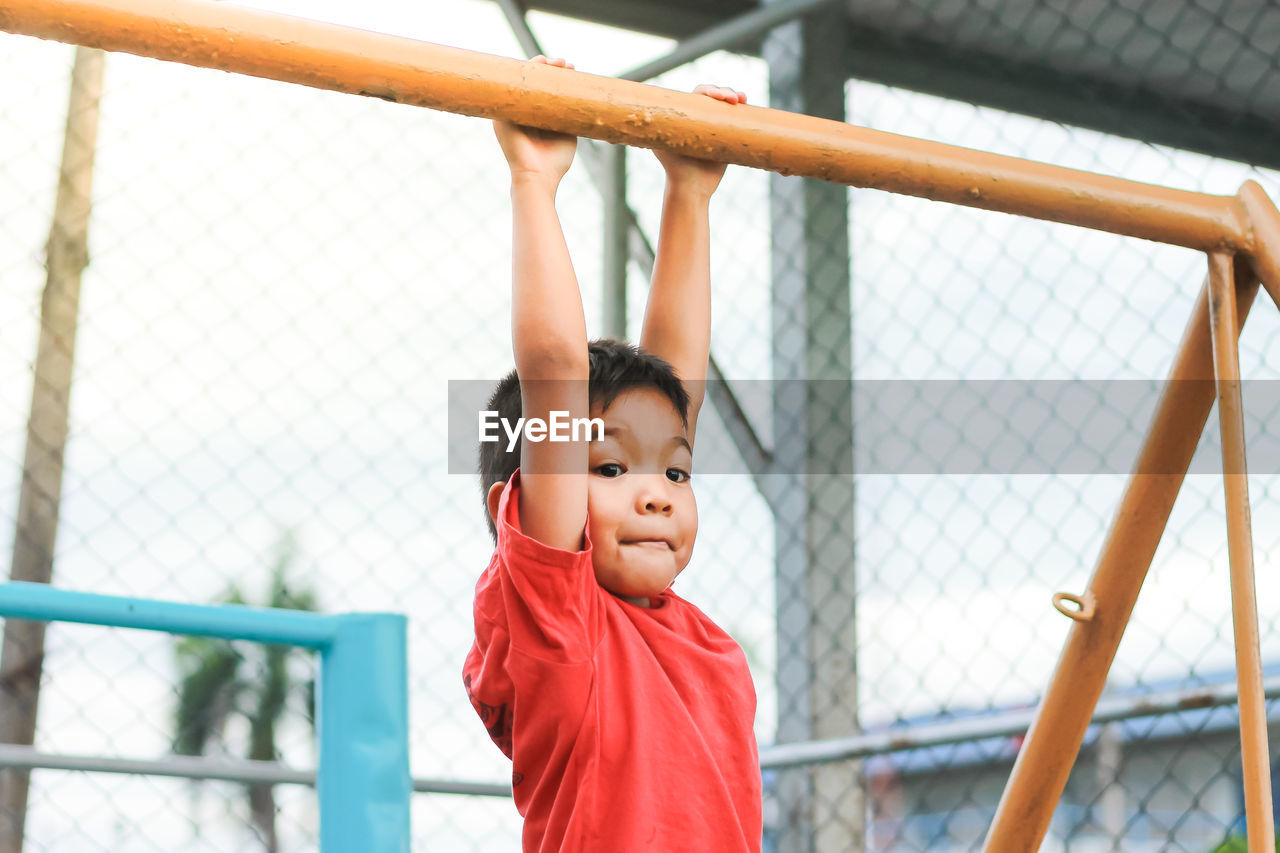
(678, 475)
(609, 469)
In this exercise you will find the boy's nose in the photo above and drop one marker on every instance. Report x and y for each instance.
(653, 496)
(658, 505)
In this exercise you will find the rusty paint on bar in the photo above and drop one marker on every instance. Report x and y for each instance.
(1255, 757)
(1053, 742)
(327, 56)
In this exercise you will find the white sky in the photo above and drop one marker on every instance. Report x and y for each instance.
(283, 280)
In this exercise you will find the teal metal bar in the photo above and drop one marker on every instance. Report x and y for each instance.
(364, 780)
(42, 603)
(362, 776)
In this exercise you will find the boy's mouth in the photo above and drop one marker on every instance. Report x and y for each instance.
(658, 544)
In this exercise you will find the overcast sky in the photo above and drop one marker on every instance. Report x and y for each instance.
(283, 281)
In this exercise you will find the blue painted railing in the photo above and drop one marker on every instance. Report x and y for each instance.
(362, 777)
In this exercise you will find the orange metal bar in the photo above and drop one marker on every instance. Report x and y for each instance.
(1053, 741)
(310, 53)
(1264, 223)
(1255, 757)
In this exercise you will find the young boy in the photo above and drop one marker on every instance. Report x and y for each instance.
(626, 712)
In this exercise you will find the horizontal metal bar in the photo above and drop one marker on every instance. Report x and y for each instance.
(179, 766)
(43, 603)
(446, 786)
(243, 771)
(725, 35)
(783, 755)
(311, 53)
(1007, 724)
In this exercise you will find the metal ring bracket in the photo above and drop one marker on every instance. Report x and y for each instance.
(1083, 609)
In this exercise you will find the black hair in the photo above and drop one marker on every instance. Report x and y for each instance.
(615, 368)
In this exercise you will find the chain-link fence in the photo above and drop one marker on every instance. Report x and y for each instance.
(282, 281)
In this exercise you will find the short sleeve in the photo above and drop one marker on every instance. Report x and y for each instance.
(551, 596)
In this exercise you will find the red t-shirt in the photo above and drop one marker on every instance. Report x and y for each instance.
(629, 728)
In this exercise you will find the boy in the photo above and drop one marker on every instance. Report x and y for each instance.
(626, 712)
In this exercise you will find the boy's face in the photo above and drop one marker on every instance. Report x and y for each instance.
(641, 513)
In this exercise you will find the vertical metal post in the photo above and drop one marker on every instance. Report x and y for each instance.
(363, 776)
(617, 232)
(821, 808)
(607, 165)
(1255, 757)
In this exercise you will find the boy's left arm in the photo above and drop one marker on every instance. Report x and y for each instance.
(677, 317)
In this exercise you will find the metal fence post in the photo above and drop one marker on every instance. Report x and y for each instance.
(820, 809)
(363, 779)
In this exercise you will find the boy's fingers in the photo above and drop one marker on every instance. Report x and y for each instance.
(554, 61)
(721, 93)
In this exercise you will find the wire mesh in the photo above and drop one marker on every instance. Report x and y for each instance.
(281, 282)
(954, 570)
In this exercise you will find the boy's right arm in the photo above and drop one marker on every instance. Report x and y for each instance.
(548, 335)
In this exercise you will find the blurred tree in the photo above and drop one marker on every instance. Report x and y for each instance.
(222, 679)
(66, 256)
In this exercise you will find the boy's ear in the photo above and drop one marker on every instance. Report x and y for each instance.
(492, 498)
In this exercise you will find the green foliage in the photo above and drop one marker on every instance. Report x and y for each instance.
(210, 684)
(220, 680)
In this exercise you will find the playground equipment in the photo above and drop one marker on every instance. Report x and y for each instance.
(1240, 235)
(363, 707)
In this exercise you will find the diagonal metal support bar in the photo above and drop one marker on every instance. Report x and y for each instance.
(1053, 742)
(723, 36)
(514, 11)
(757, 458)
(601, 168)
(1255, 758)
(1040, 772)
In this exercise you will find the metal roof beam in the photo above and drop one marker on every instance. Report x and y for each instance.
(722, 36)
(1158, 117)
